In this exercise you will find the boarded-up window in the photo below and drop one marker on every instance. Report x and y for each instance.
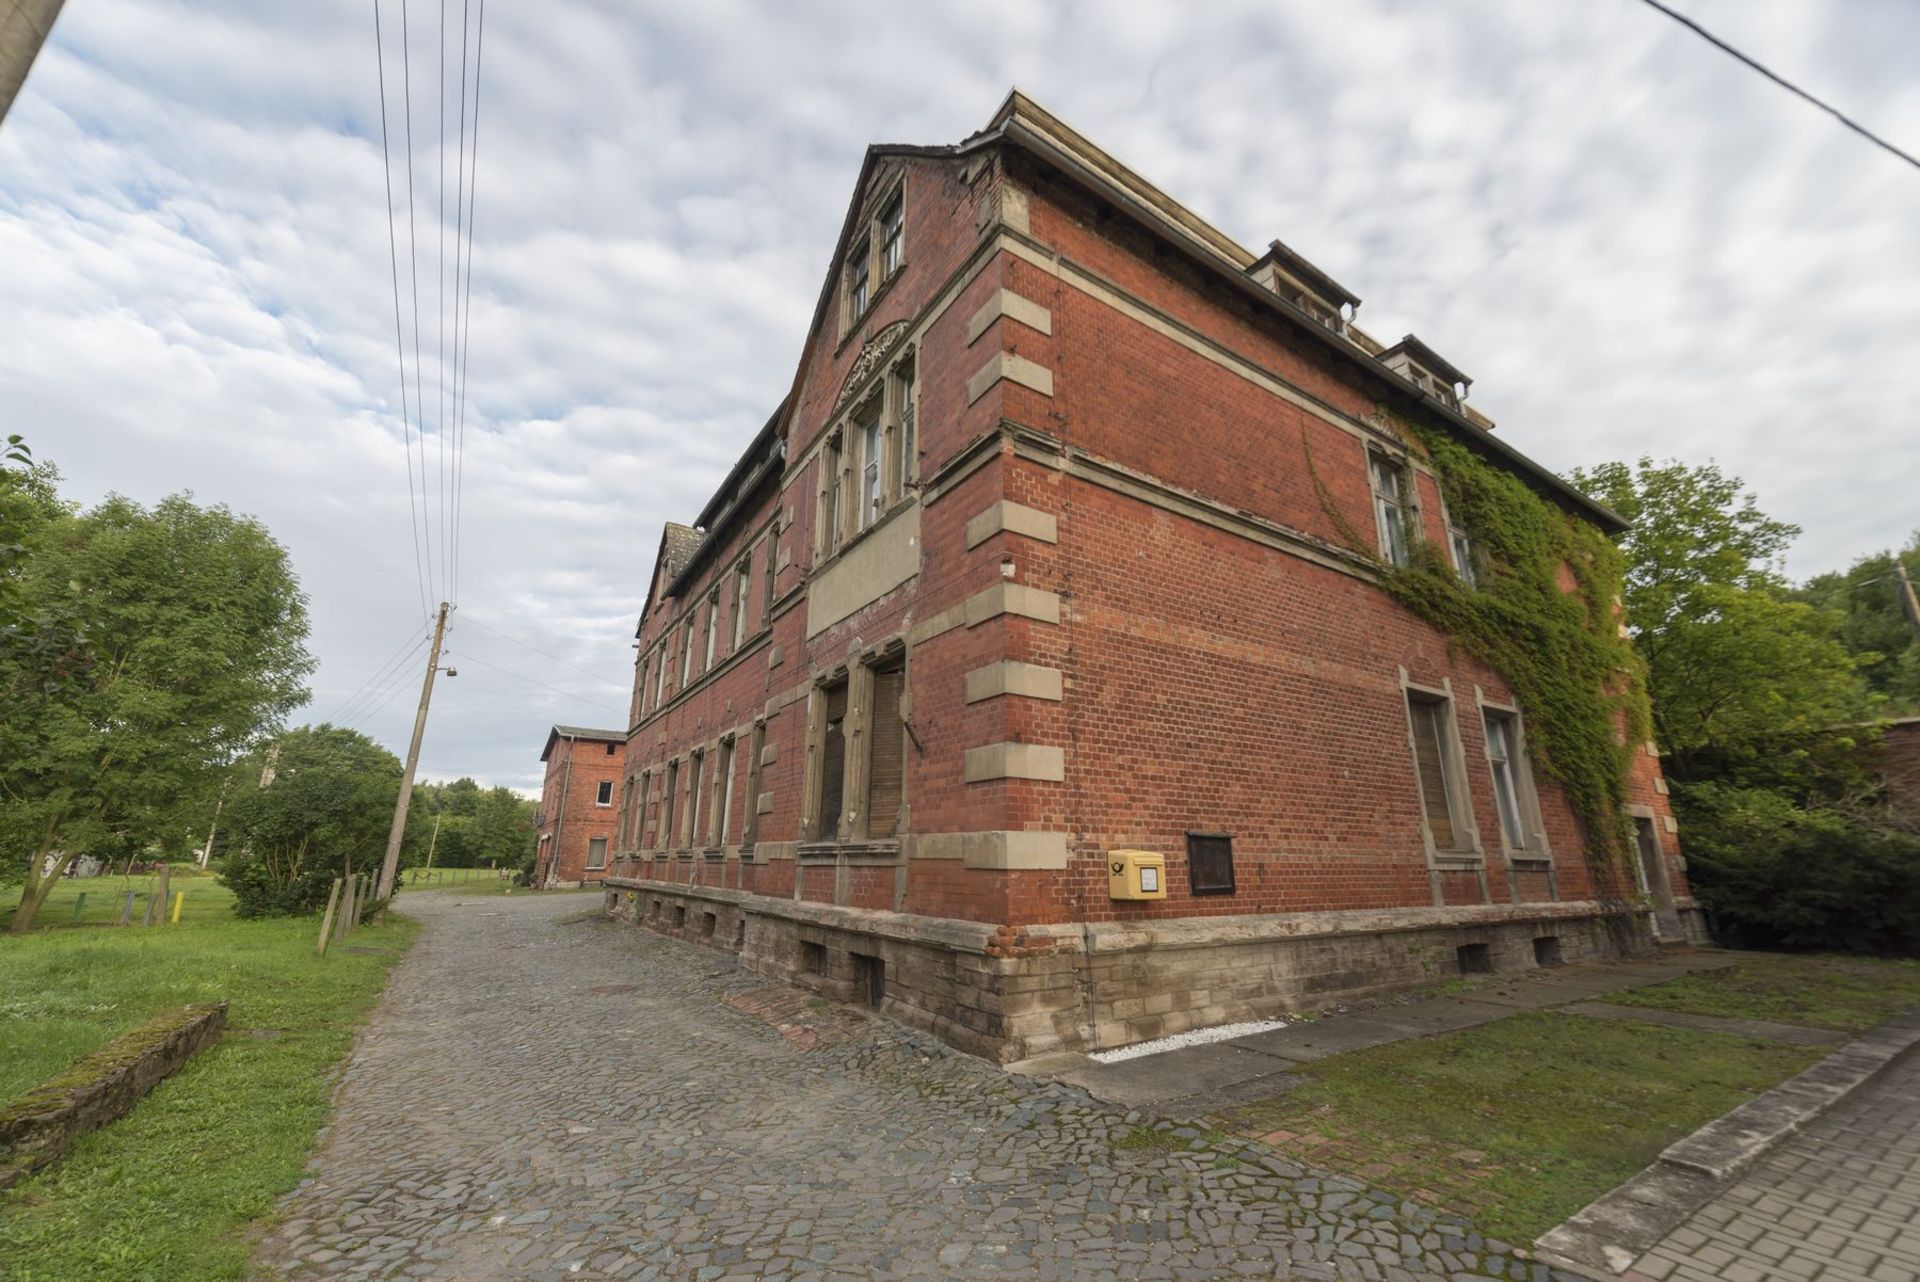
(833, 762)
(750, 832)
(1432, 761)
(597, 853)
(1210, 863)
(886, 761)
(668, 801)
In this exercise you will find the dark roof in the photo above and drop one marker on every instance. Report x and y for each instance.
(580, 732)
(760, 461)
(1305, 272)
(677, 546)
(1428, 359)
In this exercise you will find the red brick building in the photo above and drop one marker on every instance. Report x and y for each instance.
(1017, 678)
(574, 830)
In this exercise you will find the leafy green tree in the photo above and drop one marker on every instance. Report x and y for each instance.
(324, 815)
(1732, 662)
(176, 642)
(1876, 626)
(477, 827)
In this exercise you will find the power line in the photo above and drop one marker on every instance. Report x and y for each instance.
(440, 299)
(459, 206)
(413, 269)
(399, 344)
(463, 349)
(378, 673)
(470, 657)
(597, 676)
(380, 689)
(1782, 81)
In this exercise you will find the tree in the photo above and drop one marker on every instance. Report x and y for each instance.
(1732, 662)
(175, 641)
(325, 815)
(478, 827)
(1876, 626)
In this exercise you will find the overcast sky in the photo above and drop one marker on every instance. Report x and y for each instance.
(1633, 244)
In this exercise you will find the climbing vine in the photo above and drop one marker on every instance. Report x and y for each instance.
(1560, 650)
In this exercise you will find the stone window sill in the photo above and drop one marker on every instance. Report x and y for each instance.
(854, 852)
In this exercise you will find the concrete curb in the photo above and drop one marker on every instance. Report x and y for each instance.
(1614, 1231)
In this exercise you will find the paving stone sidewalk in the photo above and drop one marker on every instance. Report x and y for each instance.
(1840, 1202)
(543, 1099)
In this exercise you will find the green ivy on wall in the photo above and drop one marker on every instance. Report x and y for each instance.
(1571, 671)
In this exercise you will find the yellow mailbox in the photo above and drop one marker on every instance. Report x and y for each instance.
(1136, 874)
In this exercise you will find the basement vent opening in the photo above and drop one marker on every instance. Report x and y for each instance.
(707, 923)
(813, 958)
(679, 916)
(1474, 959)
(740, 933)
(869, 980)
(1546, 951)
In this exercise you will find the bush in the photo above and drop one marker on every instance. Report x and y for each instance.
(1773, 874)
(258, 892)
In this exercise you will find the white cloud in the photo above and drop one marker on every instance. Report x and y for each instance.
(1633, 243)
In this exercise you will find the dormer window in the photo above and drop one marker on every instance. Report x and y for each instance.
(1427, 370)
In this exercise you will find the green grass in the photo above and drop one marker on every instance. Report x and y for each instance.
(1521, 1122)
(163, 1192)
(1851, 994)
(103, 896)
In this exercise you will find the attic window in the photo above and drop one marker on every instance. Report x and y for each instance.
(859, 278)
(892, 226)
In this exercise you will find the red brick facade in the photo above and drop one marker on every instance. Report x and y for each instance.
(578, 806)
(1109, 567)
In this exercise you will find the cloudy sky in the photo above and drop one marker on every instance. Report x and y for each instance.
(1634, 244)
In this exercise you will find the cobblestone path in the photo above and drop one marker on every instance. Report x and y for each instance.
(539, 1097)
(1840, 1202)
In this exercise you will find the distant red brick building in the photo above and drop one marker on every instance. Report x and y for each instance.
(1018, 680)
(574, 830)
(1899, 767)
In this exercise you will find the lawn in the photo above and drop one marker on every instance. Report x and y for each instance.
(1851, 994)
(163, 1192)
(1519, 1123)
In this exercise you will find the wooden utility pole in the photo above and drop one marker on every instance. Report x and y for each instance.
(391, 863)
(1908, 601)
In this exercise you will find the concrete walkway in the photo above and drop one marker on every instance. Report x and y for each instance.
(1840, 1202)
(1195, 1081)
(544, 1099)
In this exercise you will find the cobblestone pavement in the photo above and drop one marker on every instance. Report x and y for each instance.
(640, 1108)
(1840, 1202)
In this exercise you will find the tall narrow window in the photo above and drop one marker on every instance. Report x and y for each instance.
(1463, 556)
(669, 806)
(713, 628)
(772, 571)
(694, 765)
(909, 446)
(1390, 507)
(741, 581)
(887, 751)
(893, 222)
(756, 747)
(868, 430)
(833, 762)
(724, 820)
(1501, 745)
(660, 678)
(830, 495)
(596, 854)
(637, 813)
(604, 797)
(686, 655)
(639, 692)
(1433, 763)
(858, 279)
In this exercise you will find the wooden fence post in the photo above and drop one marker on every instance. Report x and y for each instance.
(345, 921)
(157, 906)
(126, 910)
(326, 922)
(78, 904)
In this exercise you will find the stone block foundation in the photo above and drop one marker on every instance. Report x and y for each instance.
(1006, 993)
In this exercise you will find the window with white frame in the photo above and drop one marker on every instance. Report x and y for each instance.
(596, 854)
(1391, 500)
(904, 435)
(604, 795)
(1512, 785)
(1463, 556)
(723, 822)
(695, 763)
(830, 495)
(867, 430)
(660, 677)
(772, 571)
(713, 628)
(741, 585)
(893, 225)
(686, 654)
(859, 279)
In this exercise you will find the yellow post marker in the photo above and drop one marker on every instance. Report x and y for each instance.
(179, 901)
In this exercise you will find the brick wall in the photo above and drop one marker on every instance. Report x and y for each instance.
(571, 817)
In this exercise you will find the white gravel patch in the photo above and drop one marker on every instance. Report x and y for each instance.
(1197, 1037)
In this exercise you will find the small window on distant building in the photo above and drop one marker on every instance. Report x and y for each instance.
(596, 854)
(1390, 502)
(892, 244)
(1463, 556)
(611, 749)
(605, 796)
(1210, 863)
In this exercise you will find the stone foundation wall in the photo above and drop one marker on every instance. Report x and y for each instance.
(1005, 993)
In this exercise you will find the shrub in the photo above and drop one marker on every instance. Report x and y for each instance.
(1774, 874)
